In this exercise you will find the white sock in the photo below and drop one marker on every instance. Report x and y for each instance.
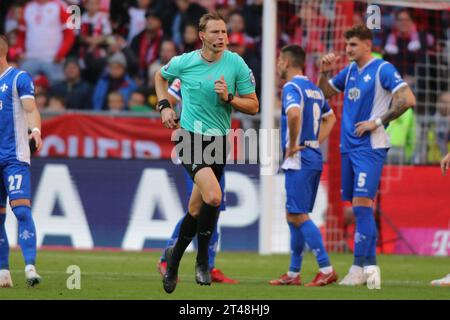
(292, 274)
(29, 267)
(326, 270)
(356, 269)
(367, 268)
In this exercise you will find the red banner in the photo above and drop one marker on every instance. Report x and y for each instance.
(99, 136)
(414, 211)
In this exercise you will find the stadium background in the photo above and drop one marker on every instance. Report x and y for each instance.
(104, 177)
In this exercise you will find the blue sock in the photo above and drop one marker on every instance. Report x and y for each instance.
(297, 246)
(212, 249)
(365, 236)
(371, 256)
(314, 240)
(173, 238)
(27, 233)
(4, 244)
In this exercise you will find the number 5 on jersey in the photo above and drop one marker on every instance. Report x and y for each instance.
(362, 179)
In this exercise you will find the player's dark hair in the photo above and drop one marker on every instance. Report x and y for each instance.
(207, 17)
(359, 31)
(296, 55)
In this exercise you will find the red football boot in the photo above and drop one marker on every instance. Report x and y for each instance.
(285, 280)
(162, 267)
(218, 276)
(322, 279)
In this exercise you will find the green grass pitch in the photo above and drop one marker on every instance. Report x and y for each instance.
(133, 275)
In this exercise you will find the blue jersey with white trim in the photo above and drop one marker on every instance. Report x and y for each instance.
(15, 85)
(367, 95)
(175, 89)
(301, 93)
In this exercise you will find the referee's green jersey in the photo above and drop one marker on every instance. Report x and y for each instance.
(203, 110)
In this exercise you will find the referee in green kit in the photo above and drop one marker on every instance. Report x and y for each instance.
(210, 77)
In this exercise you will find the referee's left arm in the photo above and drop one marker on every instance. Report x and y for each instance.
(247, 103)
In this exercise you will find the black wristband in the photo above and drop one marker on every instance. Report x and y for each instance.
(162, 104)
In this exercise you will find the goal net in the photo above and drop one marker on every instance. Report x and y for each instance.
(422, 58)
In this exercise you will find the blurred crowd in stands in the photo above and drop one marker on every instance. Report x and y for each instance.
(108, 61)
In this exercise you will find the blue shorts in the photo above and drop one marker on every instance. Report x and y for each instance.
(16, 182)
(361, 173)
(190, 185)
(301, 190)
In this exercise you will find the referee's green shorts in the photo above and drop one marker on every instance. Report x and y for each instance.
(197, 151)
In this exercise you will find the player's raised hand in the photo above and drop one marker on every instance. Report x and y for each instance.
(221, 88)
(445, 164)
(365, 126)
(328, 62)
(169, 118)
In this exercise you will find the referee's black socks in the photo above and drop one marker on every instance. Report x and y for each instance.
(207, 220)
(188, 229)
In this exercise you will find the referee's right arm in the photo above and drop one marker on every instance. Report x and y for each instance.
(168, 115)
(161, 86)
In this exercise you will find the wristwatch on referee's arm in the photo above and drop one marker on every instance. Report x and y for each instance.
(163, 104)
(230, 98)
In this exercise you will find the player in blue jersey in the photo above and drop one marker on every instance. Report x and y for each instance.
(306, 121)
(18, 114)
(374, 95)
(216, 274)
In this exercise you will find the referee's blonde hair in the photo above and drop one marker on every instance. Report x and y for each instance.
(207, 17)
